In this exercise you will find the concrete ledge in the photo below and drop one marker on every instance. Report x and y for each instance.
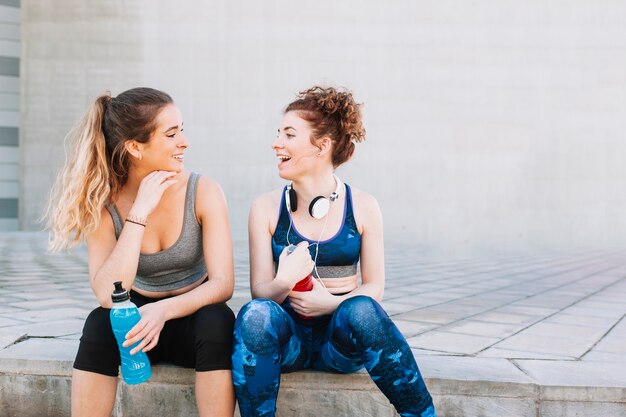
(461, 387)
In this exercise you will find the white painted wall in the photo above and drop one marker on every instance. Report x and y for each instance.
(492, 126)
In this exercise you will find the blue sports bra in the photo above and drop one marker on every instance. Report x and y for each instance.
(337, 257)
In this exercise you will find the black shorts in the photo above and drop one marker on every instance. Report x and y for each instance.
(202, 340)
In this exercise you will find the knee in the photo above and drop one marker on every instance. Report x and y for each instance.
(361, 311)
(254, 324)
(215, 323)
(255, 311)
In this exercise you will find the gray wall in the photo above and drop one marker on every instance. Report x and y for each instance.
(9, 113)
(492, 126)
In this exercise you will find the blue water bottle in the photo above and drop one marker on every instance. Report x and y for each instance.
(124, 315)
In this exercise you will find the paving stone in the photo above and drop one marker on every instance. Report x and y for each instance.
(55, 314)
(534, 311)
(599, 356)
(393, 309)
(431, 315)
(451, 342)
(578, 310)
(598, 304)
(565, 318)
(51, 328)
(575, 373)
(497, 316)
(425, 352)
(8, 321)
(411, 328)
(481, 328)
(45, 304)
(8, 300)
(39, 356)
(412, 302)
(546, 345)
(566, 331)
(10, 336)
(603, 302)
(496, 352)
(474, 369)
(615, 341)
(72, 336)
(42, 295)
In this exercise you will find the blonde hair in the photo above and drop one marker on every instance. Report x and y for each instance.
(97, 162)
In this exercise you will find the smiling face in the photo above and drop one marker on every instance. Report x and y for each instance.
(293, 147)
(166, 147)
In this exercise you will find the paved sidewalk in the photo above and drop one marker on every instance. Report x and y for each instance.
(550, 319)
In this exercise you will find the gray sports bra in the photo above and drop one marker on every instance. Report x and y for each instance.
(179, 265)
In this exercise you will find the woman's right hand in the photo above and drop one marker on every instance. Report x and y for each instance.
(296, 265)
(150, 192)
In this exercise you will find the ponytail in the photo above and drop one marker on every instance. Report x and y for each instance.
(83, 185)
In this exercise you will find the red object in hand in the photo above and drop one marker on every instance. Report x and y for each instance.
(305, 284)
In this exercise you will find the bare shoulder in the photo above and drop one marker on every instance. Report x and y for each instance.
(365, 207)
(208, 186)
(363, 200)
(264, 211)
(102, 240)
(210, 200)
(105, 229)
(267, 202)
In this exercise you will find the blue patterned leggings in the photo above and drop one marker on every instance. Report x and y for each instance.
(270, 339)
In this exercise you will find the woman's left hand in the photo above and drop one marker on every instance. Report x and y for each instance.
(316, 302)
(148, 329)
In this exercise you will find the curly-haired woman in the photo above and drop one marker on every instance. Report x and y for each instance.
(159, 229)
(337, 325)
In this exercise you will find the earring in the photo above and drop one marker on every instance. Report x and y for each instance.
(140, 157)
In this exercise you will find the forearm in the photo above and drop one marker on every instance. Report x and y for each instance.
(276, 290)
(121, 265)
(216, 290)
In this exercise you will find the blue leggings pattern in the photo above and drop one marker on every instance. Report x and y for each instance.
(270, 339)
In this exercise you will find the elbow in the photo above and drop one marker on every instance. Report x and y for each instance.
(103, 298)
(227, 290)
(228, 293)
(378, 294)
(105, 302)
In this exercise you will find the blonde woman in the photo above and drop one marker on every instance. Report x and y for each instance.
(159, 229)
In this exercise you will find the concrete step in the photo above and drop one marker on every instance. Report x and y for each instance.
(461, 387)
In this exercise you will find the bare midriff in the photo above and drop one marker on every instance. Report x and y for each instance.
(341, 285)
(163, 294)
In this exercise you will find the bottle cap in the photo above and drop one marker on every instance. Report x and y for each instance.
(120, 294)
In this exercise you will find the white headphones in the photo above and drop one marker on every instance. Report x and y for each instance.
(319, 205)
